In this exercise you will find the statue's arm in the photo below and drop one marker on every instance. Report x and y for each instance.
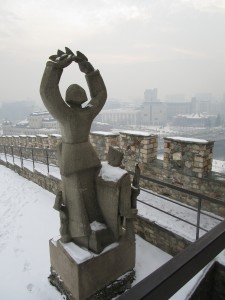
(97, 90)
(95, 83)
(50, 92)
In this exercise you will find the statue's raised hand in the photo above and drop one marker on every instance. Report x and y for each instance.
(84, 65)
(63, 59)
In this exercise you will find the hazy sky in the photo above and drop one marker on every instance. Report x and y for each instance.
(177, 46)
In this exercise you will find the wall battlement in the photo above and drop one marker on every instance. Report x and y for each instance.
(141, 148)
(187, 162)
(193, 157)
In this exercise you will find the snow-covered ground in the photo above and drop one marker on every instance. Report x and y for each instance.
(169, 222)
(27, 222)
(172, 223)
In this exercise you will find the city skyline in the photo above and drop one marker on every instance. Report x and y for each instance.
(175, 46)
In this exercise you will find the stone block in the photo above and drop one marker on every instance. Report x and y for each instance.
(198, 158)
(167, 150)
(147, 147)
(202, 153)
(145, 142)
(144, 151)
(197, 170)
(165, 165)
(84, 273)
(196, 147)
(188, 164)
(177, 156)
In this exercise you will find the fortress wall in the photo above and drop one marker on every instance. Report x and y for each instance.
(187, 163)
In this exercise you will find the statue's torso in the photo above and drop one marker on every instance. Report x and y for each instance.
(75, 127)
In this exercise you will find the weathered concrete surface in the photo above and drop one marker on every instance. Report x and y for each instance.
(77, 159)
(83, 274)
(149, 231)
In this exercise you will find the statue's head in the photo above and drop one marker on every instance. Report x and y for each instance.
(75, 95)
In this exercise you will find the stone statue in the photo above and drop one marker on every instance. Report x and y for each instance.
(77, 159)
(96, 205)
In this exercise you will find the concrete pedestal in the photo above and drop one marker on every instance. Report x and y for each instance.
(84, 273)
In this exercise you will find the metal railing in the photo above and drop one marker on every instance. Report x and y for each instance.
(170, 277)
(199, 199)
(37, 156)
(162, 283)
(44, 156)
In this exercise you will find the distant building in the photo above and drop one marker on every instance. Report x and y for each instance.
(36, 123)
(201, 104)
(176, 108)
(153, 113)
(195, 120)
(99, 126)
(35, 119)
(16, 111)
(121, 116)
(42, 119)
(175, 98)
(112, 104)
(150, 95)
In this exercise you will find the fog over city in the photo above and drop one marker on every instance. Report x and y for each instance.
(119, 190)
(176, 46)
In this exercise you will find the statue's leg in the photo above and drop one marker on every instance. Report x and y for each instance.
(64, 230)
(79, 197)
(88, 184)
(78, 222)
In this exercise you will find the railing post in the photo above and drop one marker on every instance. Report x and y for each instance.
(198, 217)
(5, 153)
(47, 160)
(12, 154)
(21, 157)
(32, 155)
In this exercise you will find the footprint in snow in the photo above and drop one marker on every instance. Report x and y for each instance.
(30, 287)
(27, 266)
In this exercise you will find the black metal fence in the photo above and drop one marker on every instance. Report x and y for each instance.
(47, 157)
(198, 198)
(169, 278)
(36, 156)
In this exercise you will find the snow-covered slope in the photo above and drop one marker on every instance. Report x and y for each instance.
(27, 222)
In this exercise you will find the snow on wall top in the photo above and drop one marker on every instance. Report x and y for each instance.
(105, 133)
(42, 135)
(187, 140)
(134, 132)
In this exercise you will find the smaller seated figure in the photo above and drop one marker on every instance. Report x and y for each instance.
(115, 196)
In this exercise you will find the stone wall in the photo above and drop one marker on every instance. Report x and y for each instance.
(141, 147)
(49, 182)
(138, 147)
(193, 157)
(213, 186)
(101, 142)
(160, 237)
(151, 232)
(31, 146)
(32, 141)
